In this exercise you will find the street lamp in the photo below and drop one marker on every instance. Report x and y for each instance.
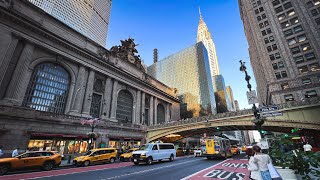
(257, 121)
(92, 123)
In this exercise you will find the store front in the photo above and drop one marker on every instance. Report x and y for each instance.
(122, 144)
(62, 143)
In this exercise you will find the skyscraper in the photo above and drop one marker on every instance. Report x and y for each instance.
(191, 71)
(204, 36)
(236, 104)
(231, 98)
(221, 96)
(284, 48)
(90, 18)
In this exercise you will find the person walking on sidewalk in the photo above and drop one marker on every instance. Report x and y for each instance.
(262, 160)
(307, 148)
(253, 167)
(15, 152)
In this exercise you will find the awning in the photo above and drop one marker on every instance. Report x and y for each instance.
(58, 135)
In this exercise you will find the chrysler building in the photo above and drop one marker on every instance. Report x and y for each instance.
(205, 36)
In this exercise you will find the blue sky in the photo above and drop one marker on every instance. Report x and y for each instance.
(171, 25)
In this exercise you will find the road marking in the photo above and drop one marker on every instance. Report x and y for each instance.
(204, 170)
(148, 170)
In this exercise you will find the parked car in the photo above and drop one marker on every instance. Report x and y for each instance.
(180, 152)
(197, 152)
(96, 156)
(44, 159)
(235, 150)
(243, 148)
(154, 152)
(127, 156)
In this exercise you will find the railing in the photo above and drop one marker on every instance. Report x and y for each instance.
(290, 104)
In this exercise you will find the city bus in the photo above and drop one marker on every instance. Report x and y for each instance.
(218, 147)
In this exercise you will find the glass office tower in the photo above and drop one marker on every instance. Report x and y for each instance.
(90, 18)
(189, 72)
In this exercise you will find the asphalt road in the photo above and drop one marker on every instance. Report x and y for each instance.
(165, 170)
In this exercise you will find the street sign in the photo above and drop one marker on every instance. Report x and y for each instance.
(268, 109)
(263, 144)
(271, 114)
(252, 97)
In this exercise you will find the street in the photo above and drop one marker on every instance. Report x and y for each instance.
(182, 167)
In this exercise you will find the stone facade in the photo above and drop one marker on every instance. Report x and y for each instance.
(30, 37)
(284, 46)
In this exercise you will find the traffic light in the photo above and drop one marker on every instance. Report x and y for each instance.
(263, 132)
(294, 130)
(218, 128)
(286, 135)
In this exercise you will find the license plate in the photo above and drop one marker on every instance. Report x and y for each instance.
(135, 160)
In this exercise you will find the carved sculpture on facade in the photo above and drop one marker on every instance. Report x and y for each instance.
(126, 51)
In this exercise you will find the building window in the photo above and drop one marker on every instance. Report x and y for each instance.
(261, 25)
(278, 75)
(281, 16)
(264, 32)
(309, 4)
(275, 66)
(314, 67)
(124, 106)
(266, 23)
(95, 105)
(272, 57)
(287, 5)
(306, 81)
(277, 55)
(305, 47)
(298, 59)
(259, 18)
(160, 114)
(288, 97)
(311, 93)
(48, 88)
(302, 38)
(263, 16)
(285, 24)
(268, 30)
(310, 56)
(314, 12)
(292, 41)
(274, 47)
(303, 69)
(297, 29)
(284, 74)
(288, 33)
(285, 86)
(279, 9)
(295, 50)
(294, 21)
(317, 21)
(275, 2)
(291, 12)
(280, 64)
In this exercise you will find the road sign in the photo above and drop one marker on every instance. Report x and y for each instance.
(271, 114)
(268, 109)
(252, 97)
(263, 144)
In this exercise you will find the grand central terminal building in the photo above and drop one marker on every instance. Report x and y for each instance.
(52, 77)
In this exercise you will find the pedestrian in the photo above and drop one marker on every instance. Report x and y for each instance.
(15, 152)
(307, 148)
(262, 160)
(253, 167)
(1, 153)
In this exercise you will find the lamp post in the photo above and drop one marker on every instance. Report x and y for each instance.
(92, 123)
(257, 121)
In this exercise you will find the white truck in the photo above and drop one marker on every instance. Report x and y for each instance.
(154, 152)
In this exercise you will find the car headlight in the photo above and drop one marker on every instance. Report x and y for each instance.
(143, 154)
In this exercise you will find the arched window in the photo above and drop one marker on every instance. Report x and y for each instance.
(124, 106)
(48, 88)
(160, 114)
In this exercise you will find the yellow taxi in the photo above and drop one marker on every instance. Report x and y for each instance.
(128, 155)
(44, 159)
(96, 156)
(179, 152)
(235, 150)
(243, 148)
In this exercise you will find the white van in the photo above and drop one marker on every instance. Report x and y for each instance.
(154, 152)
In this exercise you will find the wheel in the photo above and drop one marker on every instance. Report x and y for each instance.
(149, 160)
(136, 163)
(112, 160)
(122, 159)
(4, 169)
(171, 158)
(208, 157)
(86, 163)
(48, 165)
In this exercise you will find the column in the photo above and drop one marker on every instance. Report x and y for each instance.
(167, 113)
(6, 57)
(151, 111)
(114, 101)
(143, 107)
(138, 108)
(155, 113)
(107, 99)
(79, 91)
(88, 96)
(21, 77)
(69, 99)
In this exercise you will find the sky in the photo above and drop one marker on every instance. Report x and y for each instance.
(171, 26)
